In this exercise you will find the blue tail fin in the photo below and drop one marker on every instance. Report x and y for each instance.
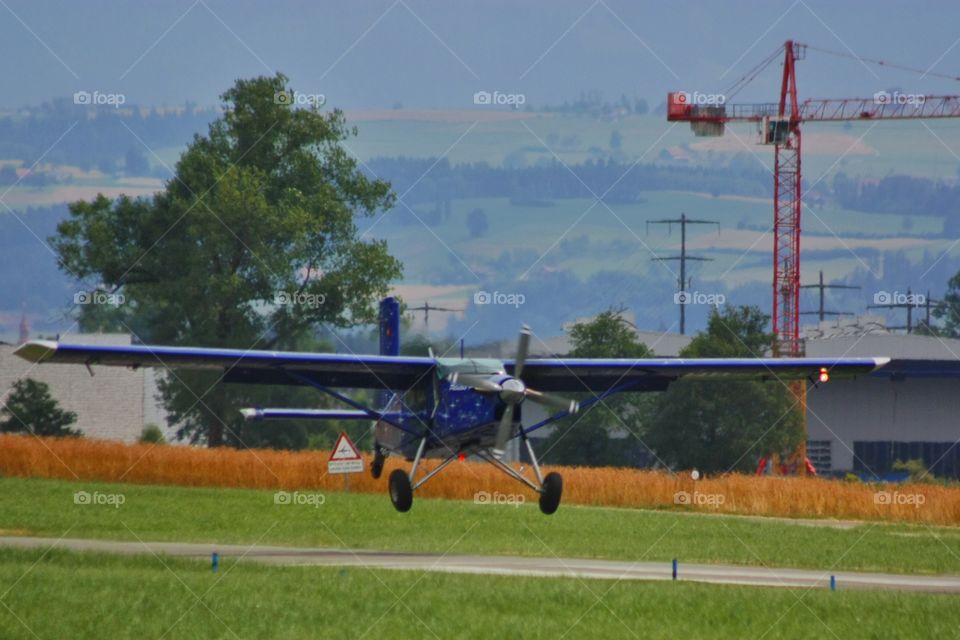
(389, 337)
(389, 327)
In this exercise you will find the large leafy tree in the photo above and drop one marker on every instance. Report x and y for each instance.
(30, 408)
(948, 311)
(726, 426)
(606, 434)
(252, 244)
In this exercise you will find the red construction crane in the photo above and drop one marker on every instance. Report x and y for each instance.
(779, 125)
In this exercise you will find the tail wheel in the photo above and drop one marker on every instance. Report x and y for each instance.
(376, 469)
(401, 491)
(550, 493)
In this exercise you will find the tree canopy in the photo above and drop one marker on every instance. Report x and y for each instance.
(30, 408)
(725, 426)
(252, 244)
(605, 434)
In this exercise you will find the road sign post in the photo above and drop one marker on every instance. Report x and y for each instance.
(344, 459)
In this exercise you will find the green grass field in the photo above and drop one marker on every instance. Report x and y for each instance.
(47, 508)
(69, 595)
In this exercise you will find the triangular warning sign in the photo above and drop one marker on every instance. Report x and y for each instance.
(344, 449)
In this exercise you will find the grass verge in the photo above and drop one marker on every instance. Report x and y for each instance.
(69, 595)
(332, 519)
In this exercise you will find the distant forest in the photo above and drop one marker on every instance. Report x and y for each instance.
(63, 133)
(621, 182)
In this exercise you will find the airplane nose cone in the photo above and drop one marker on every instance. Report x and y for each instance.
(512, 391)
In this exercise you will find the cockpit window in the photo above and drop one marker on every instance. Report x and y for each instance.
(482, 366)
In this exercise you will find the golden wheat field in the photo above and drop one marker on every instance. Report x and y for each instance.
(84, 459)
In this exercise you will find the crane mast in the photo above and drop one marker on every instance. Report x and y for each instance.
(779, 124)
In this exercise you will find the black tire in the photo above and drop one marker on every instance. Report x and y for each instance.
(401, 491)
(376, 469)
(551, 492)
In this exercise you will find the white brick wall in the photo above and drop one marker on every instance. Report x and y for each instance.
(115, 403)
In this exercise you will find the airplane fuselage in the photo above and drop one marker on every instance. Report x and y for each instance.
(457, 416)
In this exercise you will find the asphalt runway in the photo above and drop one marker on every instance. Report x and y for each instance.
(506, 565)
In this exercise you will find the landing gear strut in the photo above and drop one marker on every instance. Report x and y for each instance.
(376, 469)
(403, 485)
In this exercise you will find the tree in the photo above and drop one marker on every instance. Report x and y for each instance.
(586, 439)
(608, 335)
(616, 140)
(420, 345)
(949, 310)
(253, 244)
(107, 165)
(135, 163)
(477, 223)
(725, 426)
(30, 408)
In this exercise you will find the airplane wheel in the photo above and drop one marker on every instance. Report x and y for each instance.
(550, 493)
(376, 469)
(401, 491)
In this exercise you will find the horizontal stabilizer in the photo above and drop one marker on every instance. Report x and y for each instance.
(305, 414)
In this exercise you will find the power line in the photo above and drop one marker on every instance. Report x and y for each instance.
(910, 303)
(821, 312)
(683, 221)
(426, 308)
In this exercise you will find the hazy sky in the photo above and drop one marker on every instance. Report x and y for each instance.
(371, 54)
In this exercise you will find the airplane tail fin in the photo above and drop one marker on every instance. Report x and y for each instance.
(389, 339)
(389, 327)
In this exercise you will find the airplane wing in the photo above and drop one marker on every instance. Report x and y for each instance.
(255, 367)
(402, 372)
(598, 375)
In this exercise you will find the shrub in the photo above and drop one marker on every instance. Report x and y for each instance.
(152, 434)
(30, 408)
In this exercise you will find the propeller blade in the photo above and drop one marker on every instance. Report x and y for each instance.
(570, 406)
(477, 383)
(522, 347)
(503, 432)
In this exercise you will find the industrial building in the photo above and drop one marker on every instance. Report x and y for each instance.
(908, 410)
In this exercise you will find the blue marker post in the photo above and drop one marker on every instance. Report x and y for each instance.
(674, 568)
(214, 561)
(833, 583)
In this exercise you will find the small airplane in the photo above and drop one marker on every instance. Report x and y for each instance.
(452, 407)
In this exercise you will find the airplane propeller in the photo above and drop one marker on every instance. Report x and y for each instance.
(512, 392)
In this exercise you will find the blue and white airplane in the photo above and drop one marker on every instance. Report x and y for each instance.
(452, 407)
